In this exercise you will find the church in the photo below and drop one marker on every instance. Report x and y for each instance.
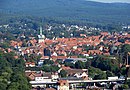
(41, 37)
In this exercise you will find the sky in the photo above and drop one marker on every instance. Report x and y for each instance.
(111, 1)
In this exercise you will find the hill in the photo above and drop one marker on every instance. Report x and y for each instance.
(80, 10)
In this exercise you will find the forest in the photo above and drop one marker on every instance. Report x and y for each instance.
(69, 10)
(12, 76)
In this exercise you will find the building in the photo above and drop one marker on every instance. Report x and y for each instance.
(47, 52)
(38, 76)
(30, 64)
(41, 37)
(74, 60)
(63, 85)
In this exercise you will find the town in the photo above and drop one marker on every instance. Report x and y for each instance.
(64, 45)
(73, 58)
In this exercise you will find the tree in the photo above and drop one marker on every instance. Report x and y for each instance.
(70, 64)
(126, 48)
(100, 76)
(3, 86)
(123, 71)
(128, 82)
(48, 62)
(88, 63)
(49, 68)
(125, 86)
(80, 65)
(46, 68)
(63, 73)
(13, 86)
(96, 73)
(4, 45)
(106, 63)
(109, 73)
(21, 81)
(12, 73)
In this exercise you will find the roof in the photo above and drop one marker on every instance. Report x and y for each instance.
(74, 71)
(58, 57)
(38, 74)
(29, 63)
(44, 57)
(63, 82)
(47, 74)
(82, 59)
(50, 89)
(65, 68)
(71, 78)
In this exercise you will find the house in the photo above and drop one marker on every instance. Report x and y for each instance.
(107, 54)
(30, 74)
(39, 76)
(54, 58)
(30, 64)
(63, 85)
(46, 76)
(54, 76)
(54, 54)
(42, 77)
(44, 58)
(104, 33)
(50, 89)
(94, 52)
(73, 56)
(65, 67)
(79, 73)
(40, 63)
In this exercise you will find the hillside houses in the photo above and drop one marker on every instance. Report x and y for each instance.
(63, 48)
(41, 58)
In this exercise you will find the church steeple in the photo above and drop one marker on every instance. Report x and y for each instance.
(41, 37)
(40, 30)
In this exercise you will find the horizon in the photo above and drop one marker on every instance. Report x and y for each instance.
(111, 1)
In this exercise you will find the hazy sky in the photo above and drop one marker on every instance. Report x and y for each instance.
(110, 1)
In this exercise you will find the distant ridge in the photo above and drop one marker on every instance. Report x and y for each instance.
(110, 1)
(81, 10)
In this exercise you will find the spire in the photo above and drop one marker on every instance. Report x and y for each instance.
(41, 37)
(40, 30)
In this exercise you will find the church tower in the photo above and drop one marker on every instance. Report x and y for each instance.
(41, 37)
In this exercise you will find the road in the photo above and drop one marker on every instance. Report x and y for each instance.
(74, 81)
